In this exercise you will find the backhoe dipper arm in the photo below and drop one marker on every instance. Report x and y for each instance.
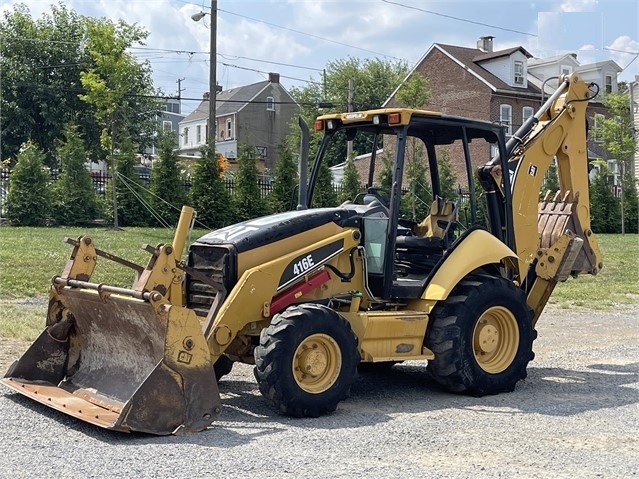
(552, 238)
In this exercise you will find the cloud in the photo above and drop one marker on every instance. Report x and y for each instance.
(578, 6)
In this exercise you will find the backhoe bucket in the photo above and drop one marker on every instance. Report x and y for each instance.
(120, 362)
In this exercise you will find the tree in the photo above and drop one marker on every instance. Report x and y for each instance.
(447, 177)
(248, 196)
(630, 203)
(130, 194)
(29, 196)
(41, 61)
(119, 88)
(167, 188)
(605, 215)
(209, 195)
(551, 181)
(386, 173)
(285, 181)
(74, 198)
(374, 80)
(351, 183)
(324, 195)
(414, 93)
(618, 139)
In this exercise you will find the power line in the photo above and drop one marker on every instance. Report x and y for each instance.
(309, 35)
(459, 19)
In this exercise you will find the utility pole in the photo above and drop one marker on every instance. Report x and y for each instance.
(179, 88)
(212, 69)
(349, 144)
(213, 76)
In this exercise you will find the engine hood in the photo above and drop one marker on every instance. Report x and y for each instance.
(258, 232)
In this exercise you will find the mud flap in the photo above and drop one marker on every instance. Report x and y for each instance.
(126, 364)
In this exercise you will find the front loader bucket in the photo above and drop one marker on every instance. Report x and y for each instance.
(121, 363)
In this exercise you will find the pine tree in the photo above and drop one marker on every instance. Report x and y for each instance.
(167, 188)
(351, 183)
(605, 214)
(285, 180)
(447, 177)
(630, 203)
(324, 195)
(209, 195)
(386, 174)
(551, 181)
(131, 197)
(29, 196)
(248, 196)
(74, 199)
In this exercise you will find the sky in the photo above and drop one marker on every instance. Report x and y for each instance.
(297, 38)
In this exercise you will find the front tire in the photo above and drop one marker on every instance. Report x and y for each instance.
(482, 337)
(306, 360)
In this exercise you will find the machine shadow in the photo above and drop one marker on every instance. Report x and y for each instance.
(377, 396)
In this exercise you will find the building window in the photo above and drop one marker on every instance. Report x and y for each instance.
(186, 136)
(526, 113)
(229, 131)
(506, 117)
(596, 133)
(167, 126)
(198, 134)
(519, 73)
(608, 83)
(270, 103)
(565, 70)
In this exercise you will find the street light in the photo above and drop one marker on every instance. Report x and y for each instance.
(196, 17)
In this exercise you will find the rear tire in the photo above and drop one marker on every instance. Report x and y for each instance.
(482, 337)
(306, 360)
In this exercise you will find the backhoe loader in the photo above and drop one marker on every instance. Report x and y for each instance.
(308, 296)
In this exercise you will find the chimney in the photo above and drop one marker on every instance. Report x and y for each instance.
(206, 96)
(485, 44)
(274, 77)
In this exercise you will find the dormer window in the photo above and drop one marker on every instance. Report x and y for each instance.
(270, 103)
(565, 70)
(519, 72)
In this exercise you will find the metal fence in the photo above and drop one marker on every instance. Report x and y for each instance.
(101, 179)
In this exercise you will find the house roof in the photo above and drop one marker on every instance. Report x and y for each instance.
(228, 101)
(538, 62)
(599, 65)
(471, 59)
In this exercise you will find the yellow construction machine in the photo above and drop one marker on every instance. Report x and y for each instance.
(311, 295)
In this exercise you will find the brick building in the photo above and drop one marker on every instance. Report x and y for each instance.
(502, 86)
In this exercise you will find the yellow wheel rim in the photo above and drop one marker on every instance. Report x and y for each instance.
(317, 363)
(495, 339)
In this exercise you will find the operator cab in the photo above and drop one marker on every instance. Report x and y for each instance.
(420, 196)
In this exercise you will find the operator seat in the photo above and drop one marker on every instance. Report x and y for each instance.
(433, 233)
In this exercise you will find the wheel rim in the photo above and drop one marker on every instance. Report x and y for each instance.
(317, 363)
(495, 339)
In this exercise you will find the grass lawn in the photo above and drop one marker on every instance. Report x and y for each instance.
(30, 257)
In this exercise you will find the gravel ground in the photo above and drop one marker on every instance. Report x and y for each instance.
(575, 416)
